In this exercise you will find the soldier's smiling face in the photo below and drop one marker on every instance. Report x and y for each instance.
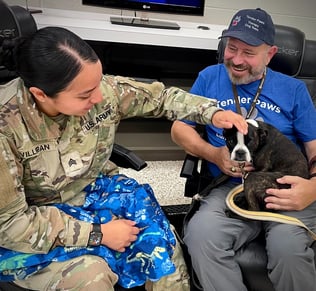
(80, 95)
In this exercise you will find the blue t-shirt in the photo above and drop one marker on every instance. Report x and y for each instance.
(284, 102)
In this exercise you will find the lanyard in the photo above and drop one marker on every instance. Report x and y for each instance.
(254, 101)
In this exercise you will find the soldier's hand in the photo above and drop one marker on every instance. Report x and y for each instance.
(228, 118)
(119, 234)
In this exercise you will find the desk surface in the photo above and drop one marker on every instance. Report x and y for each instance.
(97, 26)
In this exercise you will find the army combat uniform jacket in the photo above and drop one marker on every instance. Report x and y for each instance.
(46, 160)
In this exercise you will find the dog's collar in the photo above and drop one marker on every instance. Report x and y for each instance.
(243, 172)
(244, 175)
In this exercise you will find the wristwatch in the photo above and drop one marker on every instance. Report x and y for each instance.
(95, 237)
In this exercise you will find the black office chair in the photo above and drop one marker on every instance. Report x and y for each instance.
(16, 21)
(297, 58)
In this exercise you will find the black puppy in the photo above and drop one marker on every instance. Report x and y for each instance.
(272, 155)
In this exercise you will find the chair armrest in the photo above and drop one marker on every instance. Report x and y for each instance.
(125, 158)
(192, 165)
(195, 170)
(191, 173)
(189, 166)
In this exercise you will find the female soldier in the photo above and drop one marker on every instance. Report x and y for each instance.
(68, 220)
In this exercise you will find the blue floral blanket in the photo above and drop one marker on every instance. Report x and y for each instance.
(148, 258)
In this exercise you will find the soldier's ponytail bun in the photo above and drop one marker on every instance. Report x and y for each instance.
(48, 59)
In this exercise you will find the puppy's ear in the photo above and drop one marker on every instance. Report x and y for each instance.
(228, 132)
(230, 135)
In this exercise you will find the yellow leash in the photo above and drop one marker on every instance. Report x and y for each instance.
(262, 215)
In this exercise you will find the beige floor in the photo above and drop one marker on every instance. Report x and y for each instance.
(163, 176)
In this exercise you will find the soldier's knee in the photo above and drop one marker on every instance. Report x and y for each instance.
(85, 273)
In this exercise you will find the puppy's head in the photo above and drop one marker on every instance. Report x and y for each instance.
(242, 147)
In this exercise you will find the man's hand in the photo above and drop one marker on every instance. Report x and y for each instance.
(228, 118)
(301, 194)
(223, 161)
(119, 234)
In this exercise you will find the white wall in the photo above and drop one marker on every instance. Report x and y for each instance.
(300, 14)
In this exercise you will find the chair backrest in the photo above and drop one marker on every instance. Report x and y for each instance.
(15, 21)
(308, 69)
(291, 43)
(296, 56)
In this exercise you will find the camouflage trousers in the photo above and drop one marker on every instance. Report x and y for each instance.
(90, 272)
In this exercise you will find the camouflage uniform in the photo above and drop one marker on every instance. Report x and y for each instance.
(51, 159)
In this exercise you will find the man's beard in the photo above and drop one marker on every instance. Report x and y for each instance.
(253, 75)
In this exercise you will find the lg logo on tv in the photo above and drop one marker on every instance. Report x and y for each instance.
(146, 7)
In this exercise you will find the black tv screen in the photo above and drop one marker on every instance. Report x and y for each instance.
(188, 7)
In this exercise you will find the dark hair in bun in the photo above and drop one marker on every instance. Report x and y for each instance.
(48, 59)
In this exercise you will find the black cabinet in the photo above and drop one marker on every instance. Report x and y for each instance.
(171, 65)
(150, 138)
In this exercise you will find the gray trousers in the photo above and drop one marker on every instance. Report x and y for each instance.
(213, 238)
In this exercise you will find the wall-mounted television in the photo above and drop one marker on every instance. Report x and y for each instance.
(182, 7)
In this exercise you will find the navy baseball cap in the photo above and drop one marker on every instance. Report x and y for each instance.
(252, 26)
